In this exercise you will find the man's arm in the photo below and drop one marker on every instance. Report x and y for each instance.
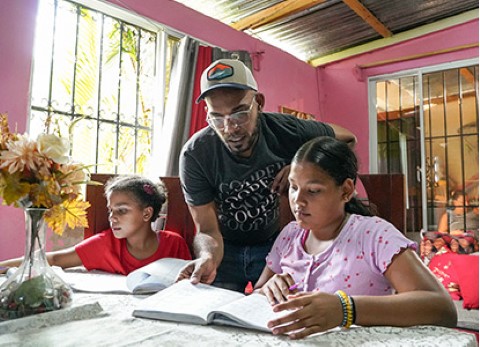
(208, 242)
(207, 245)
(344, 135)
(280, 184)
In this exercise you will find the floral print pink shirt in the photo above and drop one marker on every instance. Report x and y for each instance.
(354, 262)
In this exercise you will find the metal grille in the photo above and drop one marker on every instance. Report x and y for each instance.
(451, 139)
(97, 72)
(450, 128)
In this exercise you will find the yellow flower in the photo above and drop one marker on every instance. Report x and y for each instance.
(71, 213)
(46, 193)
(72, 175)
(53, 147)
(11, 188)
(5, 134)
(40, 174)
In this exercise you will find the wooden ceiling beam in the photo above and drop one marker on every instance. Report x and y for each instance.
(273, 13)
(368, 17)
(468, 75)
(410, 112)
(418, 56)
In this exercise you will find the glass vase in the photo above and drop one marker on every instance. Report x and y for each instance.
(34, 287)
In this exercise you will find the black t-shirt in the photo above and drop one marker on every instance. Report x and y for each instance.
(248, 213)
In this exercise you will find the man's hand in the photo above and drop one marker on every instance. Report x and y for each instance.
(344, 135)
(207, 245)
(280, 183)
(199, 270)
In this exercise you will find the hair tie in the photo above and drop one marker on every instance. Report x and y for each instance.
(147, 188)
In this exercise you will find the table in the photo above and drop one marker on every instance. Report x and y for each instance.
(106, 320)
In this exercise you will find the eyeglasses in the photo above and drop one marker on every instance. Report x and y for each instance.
(236, 119)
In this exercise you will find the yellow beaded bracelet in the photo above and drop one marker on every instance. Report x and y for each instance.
(347, 309)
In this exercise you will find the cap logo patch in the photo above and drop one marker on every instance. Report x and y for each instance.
(219, 72)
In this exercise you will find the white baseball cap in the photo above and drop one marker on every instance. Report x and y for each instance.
(226, 73)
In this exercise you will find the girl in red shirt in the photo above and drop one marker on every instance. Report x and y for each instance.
(134, 203)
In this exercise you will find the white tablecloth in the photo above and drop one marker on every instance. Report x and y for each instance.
(106, 320)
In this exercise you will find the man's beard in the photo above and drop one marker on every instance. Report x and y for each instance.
(250, 144)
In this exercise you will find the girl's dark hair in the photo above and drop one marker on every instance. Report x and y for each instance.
(456, 194)
(335, 158)
(144, 191)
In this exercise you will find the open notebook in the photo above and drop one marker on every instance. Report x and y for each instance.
(204, 304)
(146, 280)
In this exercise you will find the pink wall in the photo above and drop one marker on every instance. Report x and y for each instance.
(17, 19)
(343, 90)
(284, 79)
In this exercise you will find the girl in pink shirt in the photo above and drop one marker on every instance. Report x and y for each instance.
(337, 265)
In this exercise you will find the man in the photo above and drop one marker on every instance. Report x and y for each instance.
(232, 173)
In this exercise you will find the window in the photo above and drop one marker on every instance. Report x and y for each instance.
(105, 74)
(427, 129)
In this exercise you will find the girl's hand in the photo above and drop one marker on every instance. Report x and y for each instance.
(276, 289)
(312, 313)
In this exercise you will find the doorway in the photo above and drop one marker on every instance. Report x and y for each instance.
(426, 127)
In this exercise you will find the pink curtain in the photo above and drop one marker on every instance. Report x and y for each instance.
(198, 121)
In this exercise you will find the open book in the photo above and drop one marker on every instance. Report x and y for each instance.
(155, 276)
(146, 280)
(204, 304)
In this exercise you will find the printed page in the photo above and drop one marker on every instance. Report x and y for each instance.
(94, 281)
(253, 312)
(185, 302)
(155, 276)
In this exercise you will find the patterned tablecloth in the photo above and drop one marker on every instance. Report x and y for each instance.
(106, 320)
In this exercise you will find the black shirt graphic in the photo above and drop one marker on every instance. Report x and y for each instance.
(248, 213)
